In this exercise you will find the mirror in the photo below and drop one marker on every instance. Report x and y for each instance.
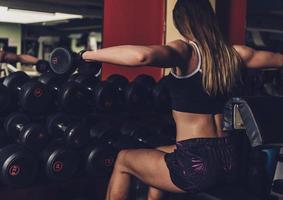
(36, 27)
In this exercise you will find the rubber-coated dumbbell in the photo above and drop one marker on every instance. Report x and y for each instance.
(63, 61)
(59, 162)
(100, 155)
(161, 96)
(121, 83)
(109, 140)
(53, 81)
(94, 95)
(21, 129)
(18, 166)
(75, 134)
(33, 96)
(134, 96)
(42, 66)
(138, 94)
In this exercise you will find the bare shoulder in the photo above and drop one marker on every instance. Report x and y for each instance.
(181, 46)
(245, 52)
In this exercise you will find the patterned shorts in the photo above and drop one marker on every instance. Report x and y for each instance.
(202, 163)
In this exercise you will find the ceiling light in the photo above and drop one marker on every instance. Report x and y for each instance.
(27, 17)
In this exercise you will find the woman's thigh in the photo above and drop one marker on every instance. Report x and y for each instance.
(149, 166)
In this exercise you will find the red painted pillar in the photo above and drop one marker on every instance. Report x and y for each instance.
(133, 22)
(232, 19)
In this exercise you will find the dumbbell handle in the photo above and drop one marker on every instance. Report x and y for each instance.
(63, 127)
(20, 127)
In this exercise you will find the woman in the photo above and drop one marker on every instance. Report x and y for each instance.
(205, 70)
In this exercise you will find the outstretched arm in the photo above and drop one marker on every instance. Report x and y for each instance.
(259, 59)
(22, 58)
(173, 54)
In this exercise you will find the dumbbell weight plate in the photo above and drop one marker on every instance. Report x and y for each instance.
(11, 122)
(100, 160)
(51, 79)
(77, 136)
(35, 97)
(33, 136)
(15, 80)
(146, 81)
(118, 80)
(62, 61)
(161, 96)
(18, 166)
(106, 97)
(74, 98)
(137, 98)
(60, 162)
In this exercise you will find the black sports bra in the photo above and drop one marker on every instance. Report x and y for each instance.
(188, 95)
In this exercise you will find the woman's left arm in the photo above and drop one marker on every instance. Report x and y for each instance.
(133, 55)
(259, 59)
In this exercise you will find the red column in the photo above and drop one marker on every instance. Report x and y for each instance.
(133, 22)
(232, 19)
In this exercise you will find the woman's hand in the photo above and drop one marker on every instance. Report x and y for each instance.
(2, 56)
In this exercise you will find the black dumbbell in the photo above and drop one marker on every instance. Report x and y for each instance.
(42, 66)
(76, 96)
(63, 61)
(19, 168)
(108, 140)
(59, 162)
(104, 94)
(147, 81)
(21, 129)
(53, 81)
(74, 132)
(100, 155)
(120, 83)
(94, 95)
(33, 96)
(138, 94)
(161, 96)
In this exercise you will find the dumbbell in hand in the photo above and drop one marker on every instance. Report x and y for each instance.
(18, 166)
(33, 96)
(75, 134)
(20, 128)
(63, 61)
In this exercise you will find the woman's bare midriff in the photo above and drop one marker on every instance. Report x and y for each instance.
(191, 125)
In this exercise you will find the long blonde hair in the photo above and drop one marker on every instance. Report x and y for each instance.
(195, 19)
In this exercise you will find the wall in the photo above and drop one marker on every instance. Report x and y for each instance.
(171, 31)
(13, 32)
(133, 22)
